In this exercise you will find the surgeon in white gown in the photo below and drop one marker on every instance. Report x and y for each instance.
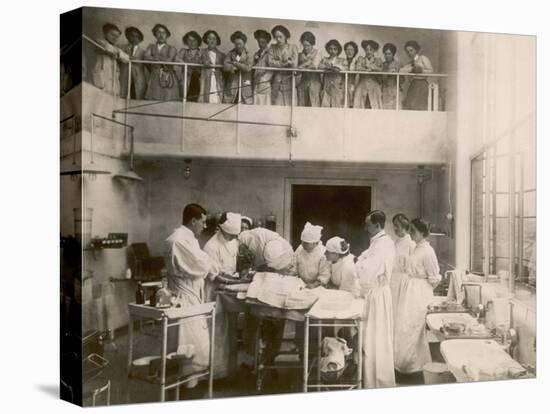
(223, 248)
(256, 241)
(374, 268)
(188, 267)
(404, 247)
(412, 350)
(272, 253)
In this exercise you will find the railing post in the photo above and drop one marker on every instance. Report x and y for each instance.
(184, 104)
(292, 103)
(115, 79)
(430, 96)
(129, 85)
(346, 90)
(397, 94)
(131, 148)
(239, 97)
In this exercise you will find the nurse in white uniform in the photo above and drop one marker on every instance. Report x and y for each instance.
(223, 247)
(311, 263)
(404, 247)
(412, 350)
(343, 274)
(374, 268)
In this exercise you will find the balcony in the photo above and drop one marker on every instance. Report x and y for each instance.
(190, 129)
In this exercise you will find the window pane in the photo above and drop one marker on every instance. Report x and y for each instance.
(502, 238)
(529, 250)
(530, 204)
(502, 205)
(502, 170)
(477, 216)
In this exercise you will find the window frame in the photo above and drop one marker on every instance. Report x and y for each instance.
(516, 193)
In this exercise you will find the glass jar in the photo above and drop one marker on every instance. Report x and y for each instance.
(163, 295)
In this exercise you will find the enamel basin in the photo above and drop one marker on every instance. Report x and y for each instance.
(479, 360)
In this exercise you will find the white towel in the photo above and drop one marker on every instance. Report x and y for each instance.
(455, 292)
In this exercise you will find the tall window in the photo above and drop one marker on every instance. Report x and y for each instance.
(503, 236)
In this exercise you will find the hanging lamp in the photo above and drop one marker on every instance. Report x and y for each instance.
(187, 169)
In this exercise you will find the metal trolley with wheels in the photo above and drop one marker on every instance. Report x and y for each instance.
(315, 319)
(168, 318)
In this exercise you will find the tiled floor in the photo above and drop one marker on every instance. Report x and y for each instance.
(125, 390)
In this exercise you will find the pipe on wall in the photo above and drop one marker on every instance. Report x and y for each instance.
(422, 177)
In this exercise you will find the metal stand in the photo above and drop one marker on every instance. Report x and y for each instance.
(311, 322)
(169, 318)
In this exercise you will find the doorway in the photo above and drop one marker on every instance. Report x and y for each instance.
(339, 208)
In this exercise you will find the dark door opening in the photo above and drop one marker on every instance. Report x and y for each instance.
(340, 209)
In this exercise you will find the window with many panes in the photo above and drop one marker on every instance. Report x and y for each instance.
(503, 221)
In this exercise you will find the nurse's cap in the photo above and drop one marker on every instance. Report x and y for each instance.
(337, 245)
(232, 223)
(311, 233)
(248, 220)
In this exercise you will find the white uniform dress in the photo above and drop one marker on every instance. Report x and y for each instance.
(312, 266)
(404, 247)
(343, 275)
(374, 268)
(224, 254)
(411, 344)
(188, 267)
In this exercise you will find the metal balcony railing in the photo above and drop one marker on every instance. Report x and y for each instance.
(433, 79)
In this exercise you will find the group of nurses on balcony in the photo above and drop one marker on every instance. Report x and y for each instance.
(226, 77)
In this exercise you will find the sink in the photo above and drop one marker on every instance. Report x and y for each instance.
(479, 360)
(436, 321)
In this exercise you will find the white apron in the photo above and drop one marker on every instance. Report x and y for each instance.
(224, 253)
(374, 268)
(404, 247)
(378, 366)
(412, 350)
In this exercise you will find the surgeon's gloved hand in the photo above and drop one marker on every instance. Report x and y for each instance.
(313, 285)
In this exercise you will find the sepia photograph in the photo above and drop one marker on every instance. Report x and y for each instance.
(253, 206)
